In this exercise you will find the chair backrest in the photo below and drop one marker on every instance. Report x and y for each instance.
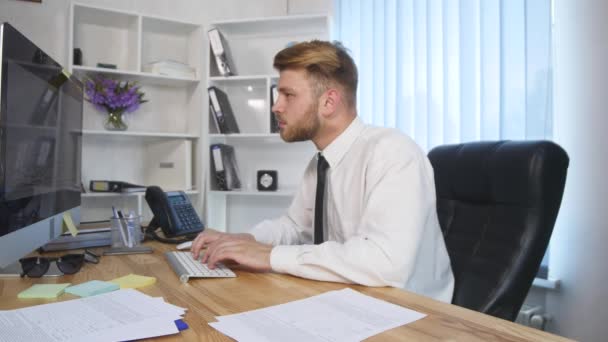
(497, 203)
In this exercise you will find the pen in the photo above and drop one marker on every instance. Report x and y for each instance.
(134, 228)
(118, 216)
(130, 229)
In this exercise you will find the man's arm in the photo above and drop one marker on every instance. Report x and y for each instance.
(253, 250)
(293, 228)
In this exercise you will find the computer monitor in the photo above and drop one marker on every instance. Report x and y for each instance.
(41, 109)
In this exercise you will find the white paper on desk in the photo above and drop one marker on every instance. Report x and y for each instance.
(15, 327)
(149, 328)
(259, 326)
(113, 312)
(162, 300)
(344, 315)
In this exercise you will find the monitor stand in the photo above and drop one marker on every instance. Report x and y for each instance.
(14, 270)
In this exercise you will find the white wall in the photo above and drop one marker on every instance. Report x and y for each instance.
(45, 24)
(578, 251)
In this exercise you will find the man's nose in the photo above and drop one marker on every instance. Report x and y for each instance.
(276, 108)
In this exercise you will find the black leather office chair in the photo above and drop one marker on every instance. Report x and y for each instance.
(497, 203)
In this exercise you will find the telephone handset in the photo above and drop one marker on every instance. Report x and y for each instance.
(173, 213)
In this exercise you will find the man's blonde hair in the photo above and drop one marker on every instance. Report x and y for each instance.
(325, 63)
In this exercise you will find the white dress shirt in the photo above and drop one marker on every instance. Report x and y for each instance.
(381, 226)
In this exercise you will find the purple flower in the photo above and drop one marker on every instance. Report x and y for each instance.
(112, 95)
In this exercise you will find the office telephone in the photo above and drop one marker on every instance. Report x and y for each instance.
(173, 213)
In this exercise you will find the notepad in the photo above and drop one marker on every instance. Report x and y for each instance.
(43, 291)
(91, 288)
(133, 281)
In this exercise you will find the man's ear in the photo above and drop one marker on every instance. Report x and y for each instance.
(330, 101)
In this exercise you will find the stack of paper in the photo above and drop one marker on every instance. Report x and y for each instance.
(114, 316)
(170, 68)
(344, 315)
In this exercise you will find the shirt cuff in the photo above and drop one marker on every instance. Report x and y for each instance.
(261, 233)
(283, 258)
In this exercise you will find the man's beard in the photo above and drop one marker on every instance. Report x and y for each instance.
(305, 129)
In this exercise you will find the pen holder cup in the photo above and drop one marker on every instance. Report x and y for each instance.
(126, 232)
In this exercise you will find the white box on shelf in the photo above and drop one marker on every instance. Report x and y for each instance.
(170, 68)
(169, 164)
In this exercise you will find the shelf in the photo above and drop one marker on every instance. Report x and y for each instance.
(246, 136)
(95, 28)
(286, 192)
(243, 140)
(168, 26)
(252, 45)
(141, 77)
(285, 25)
(162, 144)
(168, 40)
(140, 134)
(110, 13)
(129, 194)
(238, 78)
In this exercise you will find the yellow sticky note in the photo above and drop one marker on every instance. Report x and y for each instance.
(43, 291)
(69, 224)
(133, 281)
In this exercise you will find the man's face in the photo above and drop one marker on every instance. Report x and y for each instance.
(296, 108)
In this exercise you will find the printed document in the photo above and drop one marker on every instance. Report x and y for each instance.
(344, 315)
(118, 315)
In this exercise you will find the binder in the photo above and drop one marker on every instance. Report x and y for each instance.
(222, 111)
(220, 51)
(274, 95)
(224, 167)
(114, 186)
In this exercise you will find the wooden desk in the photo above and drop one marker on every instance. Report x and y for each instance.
(207, 298)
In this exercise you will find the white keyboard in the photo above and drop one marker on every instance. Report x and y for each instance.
(186, 267)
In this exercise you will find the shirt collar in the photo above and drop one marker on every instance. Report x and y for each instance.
(336, 150)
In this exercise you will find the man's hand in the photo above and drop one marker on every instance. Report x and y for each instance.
(248, 253)
(209, 236)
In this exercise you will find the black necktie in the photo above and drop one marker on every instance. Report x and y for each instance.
(322, 167)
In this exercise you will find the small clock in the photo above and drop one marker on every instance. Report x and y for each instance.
(268, 180)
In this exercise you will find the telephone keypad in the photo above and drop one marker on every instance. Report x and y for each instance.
(186, 214)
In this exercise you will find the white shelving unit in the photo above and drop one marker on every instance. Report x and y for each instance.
(162, 144)
(253, 44)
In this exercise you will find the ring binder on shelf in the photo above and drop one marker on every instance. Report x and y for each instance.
(223, 166)
(114, 186)
(274, 95)
(220, 51)
(222, 111)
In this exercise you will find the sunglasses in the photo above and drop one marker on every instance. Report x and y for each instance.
(36, 267)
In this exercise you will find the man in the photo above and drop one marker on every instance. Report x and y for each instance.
(373, 217)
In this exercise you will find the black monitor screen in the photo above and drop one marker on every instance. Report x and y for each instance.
(40, 135)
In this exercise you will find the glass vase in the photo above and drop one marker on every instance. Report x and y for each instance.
(115, 121)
